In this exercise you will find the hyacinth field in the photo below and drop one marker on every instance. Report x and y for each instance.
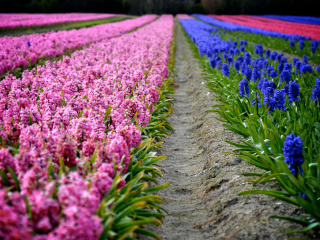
(83, 114)
(30, 20)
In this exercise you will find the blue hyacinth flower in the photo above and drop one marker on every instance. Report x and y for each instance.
(286, 76)
(305, 59)
(244, 88)
(291, 43)
(293, 92)
(292, 152)
(305, 68)
(316, 91)
(247, 58)
(261, 82)
(301, 45)
(280, 99)
(287, 66)
(268, 52)
(213, 62)
(273, 74)
(237, 65)
(248, 73)
(225, 69)
(255, 74)
(273, 56)
(298, 66)
(280, 67)
(268, 88)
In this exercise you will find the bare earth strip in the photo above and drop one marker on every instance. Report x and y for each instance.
(204, 179)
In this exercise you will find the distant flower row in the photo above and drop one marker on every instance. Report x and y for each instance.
(301, 29)
(28, 49)
(238, 27)
(84, 113)
(15, 20)
(297, 19)
(183, 16)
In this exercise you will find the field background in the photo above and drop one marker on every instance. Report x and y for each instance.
(138, 7)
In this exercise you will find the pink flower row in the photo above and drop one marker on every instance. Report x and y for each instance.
(183, 16)
(15, 20)
(86, 111)
(302, 29)
(21, 51)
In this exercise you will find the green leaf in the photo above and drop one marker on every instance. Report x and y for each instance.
(4, 178)
(313, 182)
(14, 178)
(30, 119)
(309, 227)
(147, 233)
(107, 232)
(273, 176)
(127, 210)
(141, 222)
(296, 220)
(276, 194)
(62, 167)
(157, 188)
(13, 149)
(28, 207)
(252, 174)
(106, 115)
(63, 101)
(50, 170)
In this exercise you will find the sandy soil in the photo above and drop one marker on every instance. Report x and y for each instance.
(204, 179)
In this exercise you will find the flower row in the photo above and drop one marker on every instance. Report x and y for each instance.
(301, 29)
(183, 16)
(298, 19)
(9, 20)
(28, 49)
(82, 115)
(274, 104)
(237, 27)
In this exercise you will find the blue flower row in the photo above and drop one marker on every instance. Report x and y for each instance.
(297, 19)
(224, 55)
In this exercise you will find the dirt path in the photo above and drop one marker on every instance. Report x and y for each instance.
(204, 180)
